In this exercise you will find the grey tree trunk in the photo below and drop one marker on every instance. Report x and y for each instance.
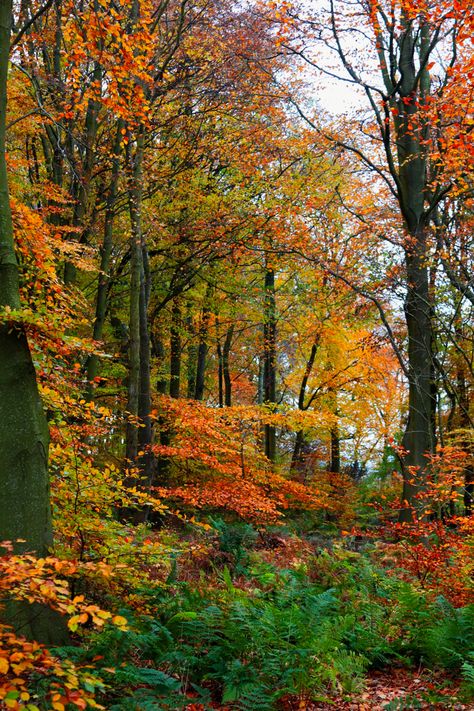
(419, 438)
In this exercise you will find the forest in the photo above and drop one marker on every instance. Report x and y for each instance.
(236, 355)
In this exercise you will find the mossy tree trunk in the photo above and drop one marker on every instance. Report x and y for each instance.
(24, 500)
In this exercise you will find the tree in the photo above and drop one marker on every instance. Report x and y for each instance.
(414, 51)
(24, 504)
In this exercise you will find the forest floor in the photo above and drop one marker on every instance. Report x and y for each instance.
(394, 688)
(397, 689)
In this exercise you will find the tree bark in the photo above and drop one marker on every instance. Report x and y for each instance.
(136, 272)
(300, 440)
(24, 500)
(175, 349)
(269, 358)
(203, 347)
(24, 438)
(105, 254)
(225, 366)
(335, 463)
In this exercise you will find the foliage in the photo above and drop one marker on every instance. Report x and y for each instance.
(211, 273)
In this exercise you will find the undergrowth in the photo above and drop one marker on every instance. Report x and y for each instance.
(251, 634)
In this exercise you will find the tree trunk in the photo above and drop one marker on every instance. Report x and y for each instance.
(105, 254)
(145, 433)
(220, 375)
(24, 500)
(203, 347)
(80, 187)
(269, 358)
(225, 383)
(299, 441)
(175, 349)
(136, 271)
(465, 426)
(335, 463)
(225, 366)
(418, 440)
(419, 437)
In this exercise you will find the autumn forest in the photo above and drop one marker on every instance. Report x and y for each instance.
(236, 355)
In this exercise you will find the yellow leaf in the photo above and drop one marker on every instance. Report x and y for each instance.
(73, 623)
(119, 620)
(4, 665)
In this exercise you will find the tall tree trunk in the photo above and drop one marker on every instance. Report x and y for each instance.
(24, 500)
(145, 432)
(191, 355)
(80, 185)
(139, 426)
(335, 463)
(136, 272)
(225, 383)
(105, 254)
(269, 358)
(25, 512)
(225, 366)
(299, 440)
(203, 347)
(220, 376)
(412, 134)
(465, 426)
(175, 349)
(419, 437)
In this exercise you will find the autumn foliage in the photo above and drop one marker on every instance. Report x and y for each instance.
(247, 322)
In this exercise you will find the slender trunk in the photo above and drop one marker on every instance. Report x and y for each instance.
(269, 358)
(297, 456)
(105, 254)
(80, 187)
(465, 426)
(191, 355)
(299, 441)
(136, 271)
(335, 463)
(158, 352)
(225, 366)
(260, 393)
(175, 349)
(145, 432)
(203, 348)
(220, 375)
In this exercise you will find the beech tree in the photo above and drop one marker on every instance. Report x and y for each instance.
(414, 51)
(24, 503)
